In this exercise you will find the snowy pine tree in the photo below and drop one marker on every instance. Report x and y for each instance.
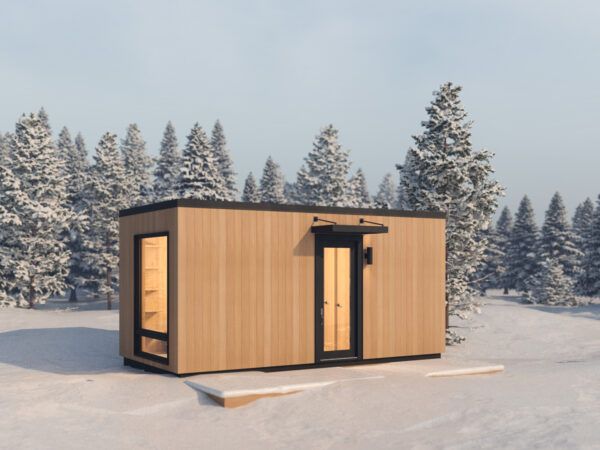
(272, 183)
(522, 247)
(75, 165)
(489, 273)
(35, 249)
(4, 149)
(108, 190)
(551, 286)
(386, 195)
(290, 193)
(401, 194)
(251, 193)
(557, 241)
(166, 173)
(11, 232)
(8, 220)
(43, 116)
(75, 173)
(358, 192)
(583, 221)
(401, 202)
(324, 177)
(224, 162)
(80, 146)
(443, 173)
(200, 176)
(591, 260)
(137, 166)
(503, 230)
(300, 193)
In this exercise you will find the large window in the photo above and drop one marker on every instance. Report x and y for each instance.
(151, 296)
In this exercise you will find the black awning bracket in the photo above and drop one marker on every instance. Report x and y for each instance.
(316, 219)
(363, 220)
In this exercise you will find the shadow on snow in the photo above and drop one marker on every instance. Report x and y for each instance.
(71, 350)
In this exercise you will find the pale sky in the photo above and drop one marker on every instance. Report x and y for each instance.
(275, 72)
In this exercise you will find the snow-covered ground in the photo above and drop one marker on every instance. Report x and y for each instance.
(63, 385)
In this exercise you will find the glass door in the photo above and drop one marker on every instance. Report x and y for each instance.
(337, 269)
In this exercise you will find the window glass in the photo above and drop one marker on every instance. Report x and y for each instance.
(154, 346)
(336, 304)
(153, 283)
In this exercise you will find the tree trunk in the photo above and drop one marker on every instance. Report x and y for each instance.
(109, 293)
(447, 313)
(73, 296)
(31, 299)
(505, 291)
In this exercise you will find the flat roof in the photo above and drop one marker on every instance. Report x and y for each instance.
(194, 203)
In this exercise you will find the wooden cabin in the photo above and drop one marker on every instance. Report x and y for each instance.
(216, 286)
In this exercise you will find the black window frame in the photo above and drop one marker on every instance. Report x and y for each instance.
(138, 331)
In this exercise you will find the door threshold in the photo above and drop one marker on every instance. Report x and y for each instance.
(347, 358)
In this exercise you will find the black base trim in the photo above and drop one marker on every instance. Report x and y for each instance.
(352, 362)
(145, 367)
(336, 363)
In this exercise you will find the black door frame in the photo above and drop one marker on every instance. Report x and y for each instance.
(355, 243)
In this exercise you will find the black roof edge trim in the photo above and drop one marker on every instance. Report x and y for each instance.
(194, 203)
